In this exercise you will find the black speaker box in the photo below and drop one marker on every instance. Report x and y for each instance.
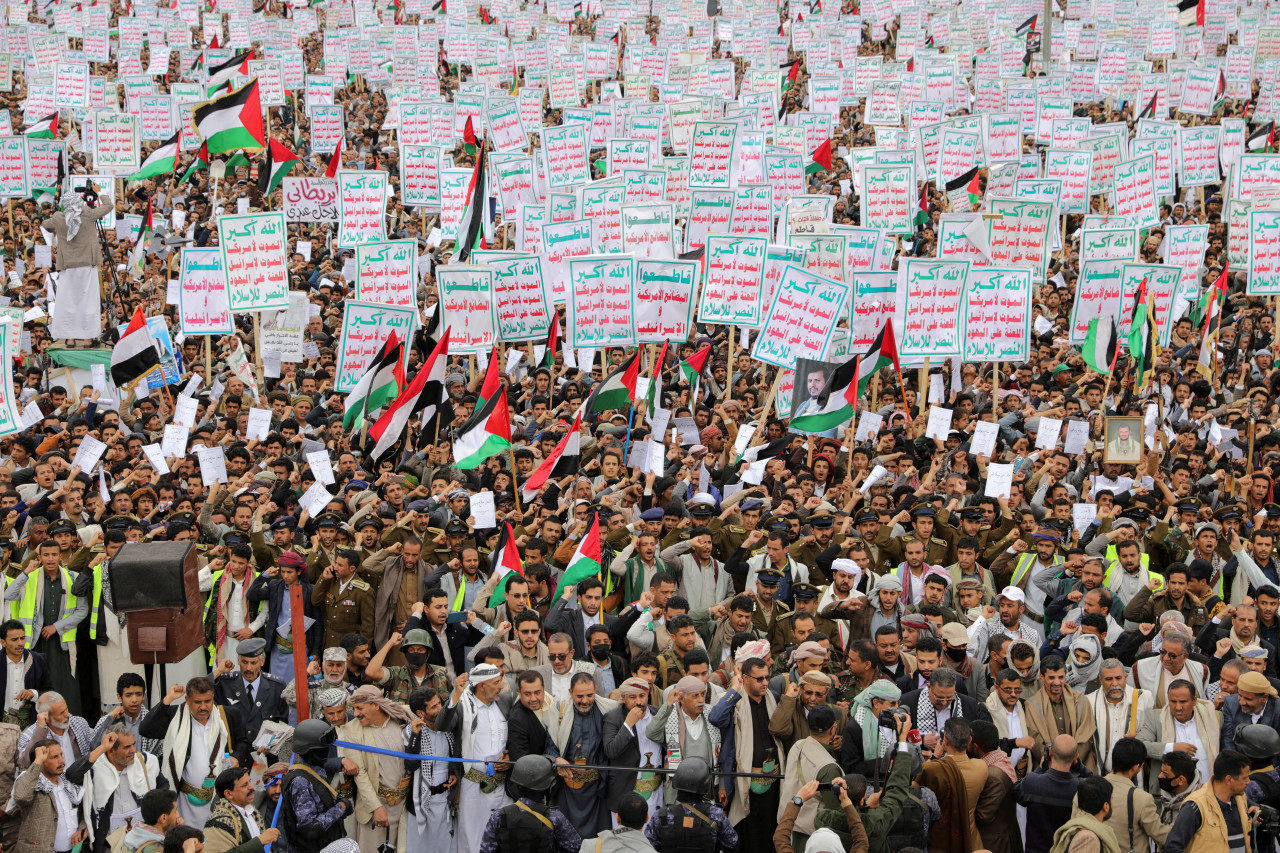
(148, 575)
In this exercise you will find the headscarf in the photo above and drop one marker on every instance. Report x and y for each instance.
(807, 650)
(753, 649)
(824, 840)
(368, 694)
(72, 207)
(333, 697)
(923, 627)
(1080, 674)
(881, 688)
(1032, 678)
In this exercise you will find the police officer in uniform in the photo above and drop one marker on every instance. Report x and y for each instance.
(822, 531)
(727, 538)
(347, 601)
(763, 622)
(693, 823)
(311, 811)
(922, 526)
(364, 546)
(324, 546)
(265, 553)
(530, 825)
(257, 694)
(806, 597)
(867, 523)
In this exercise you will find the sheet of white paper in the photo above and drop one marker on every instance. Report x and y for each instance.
(939, 423)
(482, 509)
(271, 364)
(868, 426)
(321, 466)
(983, 442)
(174, 442)
(184, 413)
(1047, 437)
(658, 423)
(193, 384)
(937, 393)
(688, 428)
(213, 464)
(259, 424)
(98, 374)
(1077, 439)
(744, 438)
(999, 480)
(155, 455)
(1082, 515)
(88, 454)
(31, 415)
(315, 499)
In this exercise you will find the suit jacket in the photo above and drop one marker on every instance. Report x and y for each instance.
(1157, 732)
(155, 725)
(388, 591)
(526, 732)
(85, 250)
(273, 591)
(789, 723)
(39, 814)
(622, 747)
(229, 690)
(35, 678)
(227, 832)
(996, 814)
(566, 619)
(1233, 716)
(969, 709)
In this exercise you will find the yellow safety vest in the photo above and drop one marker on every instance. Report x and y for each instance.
(25, 611)
(1113, 560)
(96, 606)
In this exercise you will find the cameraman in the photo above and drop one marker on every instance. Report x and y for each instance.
(878, 811)
(1217, 816)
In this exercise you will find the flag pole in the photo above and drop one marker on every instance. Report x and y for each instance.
(511, 454)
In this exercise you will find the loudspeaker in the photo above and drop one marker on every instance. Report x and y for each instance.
(157, 586)
(147, 575)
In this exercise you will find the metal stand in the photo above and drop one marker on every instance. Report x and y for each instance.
(115, 281)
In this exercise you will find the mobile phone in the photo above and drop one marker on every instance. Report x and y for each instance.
(456, 617)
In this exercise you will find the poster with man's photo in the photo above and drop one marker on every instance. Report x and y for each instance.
(809, 393)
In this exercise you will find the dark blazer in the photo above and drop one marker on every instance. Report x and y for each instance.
(273, 591)
(969, 709)
(622, 747)
(459, 635)
(156, 724)
(1207, 641)
(36, 677)
(564, 619)
(526, 735)
(229, 690)
(1234, 716)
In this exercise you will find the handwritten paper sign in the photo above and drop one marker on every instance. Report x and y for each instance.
(365, 327)
(311, 199)
(466, 297)
(735, 273)
(362, 204)
(601, 301)
(387, 273)
(202, 294)
(997, 314)
(253, 257)
(928, 310)
(801, 319)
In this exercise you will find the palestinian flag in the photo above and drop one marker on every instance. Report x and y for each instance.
(1262, 139)
(1101, 345)
(691, 368)
(486, 433)
(45, 128)
(757, 457)
(883, 353)
(475, 202)
(586, 560)
(162, 161)
(200, 162)
(792, 76)
(505, 561)
(968, 181)
(232, 121)
(388, 429)
(469, 142)
(565, 455)
(279, 161)
(1142, 335)
(1027, 26)
(1149, 111)
(975, 189)
(382, 380)
(618, 390)
(335, 161)
(133, 356)
(553, 343)
(138, 254)
(835, 405)
(433, 401)
(655, 380)
(1220, 94)
(1211, 308)
(492, 378)
(820, 159)
(223, 74)
(236, 161)
(1190, 12)
(922, 206)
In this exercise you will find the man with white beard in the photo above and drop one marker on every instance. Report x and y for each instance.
(1118, 710)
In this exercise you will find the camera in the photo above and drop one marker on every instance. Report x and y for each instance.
(889, 717)
(1268, 821)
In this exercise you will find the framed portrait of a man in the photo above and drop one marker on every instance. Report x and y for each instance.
(809, 395)
(1123, 441)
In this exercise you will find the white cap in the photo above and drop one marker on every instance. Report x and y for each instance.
(1013, 594)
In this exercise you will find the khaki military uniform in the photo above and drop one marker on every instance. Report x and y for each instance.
(318, 560)
(345, 611)
(763, 622)
(893, 549)
(782, 635)
(807, 553)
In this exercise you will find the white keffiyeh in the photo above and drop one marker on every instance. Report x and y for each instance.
(72, 207)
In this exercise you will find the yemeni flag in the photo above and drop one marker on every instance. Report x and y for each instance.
(232, 121)
(618, 390)
(836, 404)
(388, 429)
(1262, 139)
(883, 353)
(506, 563)
(1212, 311)
(1190, 12)
(133, 356)
(922, 206)
(382, 380)
(45, 128)
(469, 142)
(279, 161)
(162, 161)
(566, 454)
(138, 253)
(820, 159)
(486, 433)
(471, 229)
(1142, 334)
(586, 560)
(201, 162)
(492, 378)
(1101, 345)
(335, 161)
(223, 74)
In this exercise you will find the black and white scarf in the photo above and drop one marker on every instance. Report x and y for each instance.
(927, 716)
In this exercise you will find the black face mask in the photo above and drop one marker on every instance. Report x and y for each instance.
(415, 659)
(600, 650)
(1166, 785)
(957, 655)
